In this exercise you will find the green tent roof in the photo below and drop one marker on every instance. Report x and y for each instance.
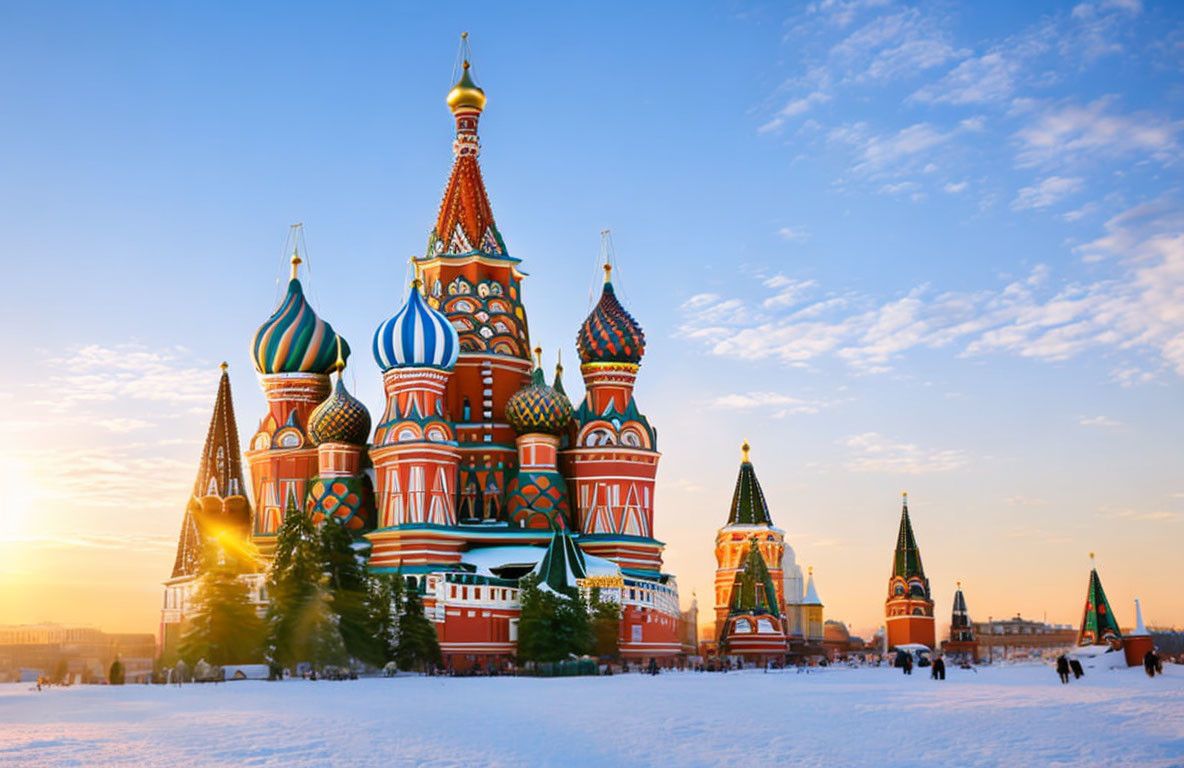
(563, 563)
(907, 561)
(1098, 624)
(748, 500)
(753, 590)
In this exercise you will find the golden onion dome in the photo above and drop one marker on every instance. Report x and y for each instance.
(466, 93)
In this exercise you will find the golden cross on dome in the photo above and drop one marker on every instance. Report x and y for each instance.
(538, 357)
(744, 449)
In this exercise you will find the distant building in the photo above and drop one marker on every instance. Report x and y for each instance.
(962, 643)
(688, 628)
(1004, 638)
(909, 607)
(88, 652)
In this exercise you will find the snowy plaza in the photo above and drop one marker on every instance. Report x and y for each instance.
(1010, 715)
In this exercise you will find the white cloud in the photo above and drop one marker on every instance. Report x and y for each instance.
(954, 188)
(789, 291)
(782, 405)
(122, 424)
(1048, 191)
(793, 233)
(1099, 421)
(1137, 315)
(1069, 132)
(872, 452)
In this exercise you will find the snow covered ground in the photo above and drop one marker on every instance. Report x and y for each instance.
(1014, 716)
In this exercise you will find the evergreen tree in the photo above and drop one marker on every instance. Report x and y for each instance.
(301, 625)
(384, 604)
(223, 627)
(349, 588)
(115, 673)
(606, 626)
(417, 646)
(552, 625)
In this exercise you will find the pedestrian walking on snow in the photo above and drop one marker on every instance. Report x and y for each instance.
(939, 669)
(1075, 665)
(1063, 668)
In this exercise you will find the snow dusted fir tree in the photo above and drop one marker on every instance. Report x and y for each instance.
(385, 603)
(301, 624)
(349, 590)
(417, 646)
(223, 627)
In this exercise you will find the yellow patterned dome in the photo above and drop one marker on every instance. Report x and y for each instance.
(466, 93)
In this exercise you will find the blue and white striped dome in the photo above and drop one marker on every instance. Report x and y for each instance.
(417, 335)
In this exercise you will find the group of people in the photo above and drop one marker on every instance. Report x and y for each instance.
(1065, 666)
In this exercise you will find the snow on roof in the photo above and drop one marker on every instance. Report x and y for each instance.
(485, 559)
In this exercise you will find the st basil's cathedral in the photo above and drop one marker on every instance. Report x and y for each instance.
(478, 471)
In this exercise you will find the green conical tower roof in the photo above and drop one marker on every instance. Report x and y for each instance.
(753, 590)
(907, 561)
(1098, 624)
(748, 500)
(563, 563)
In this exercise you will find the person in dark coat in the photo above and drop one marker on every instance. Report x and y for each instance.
(1075, 665)
(939, 669)
(1149, 663)
(1063, 668)
(908, 663)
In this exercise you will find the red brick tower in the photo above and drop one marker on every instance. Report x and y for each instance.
(909, 607)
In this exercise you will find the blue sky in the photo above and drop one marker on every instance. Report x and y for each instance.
(925, 247)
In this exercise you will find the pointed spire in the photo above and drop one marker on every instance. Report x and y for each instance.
(220, 472)
(1098, 625)
(961, 617)
(748, 500)
(563, 564)
(1140, 629)
(557, 385)
(465, 223)
(907, 561)
(811, 597)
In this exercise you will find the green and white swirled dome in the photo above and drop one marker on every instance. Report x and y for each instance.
(295, 340)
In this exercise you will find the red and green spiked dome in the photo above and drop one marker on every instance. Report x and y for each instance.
(538, 407)
(294, 339)
(340, 419)
(610, 334)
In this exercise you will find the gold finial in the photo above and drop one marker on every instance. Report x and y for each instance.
(810, 571)
(559, 361)
(1091, 556)
(959, 585)
(744, 449)
(417, 281)
(340, 365)
(296, 260)
(224, 366)
(538, 357)
(608, 272)
(904, 497)
(466, 93)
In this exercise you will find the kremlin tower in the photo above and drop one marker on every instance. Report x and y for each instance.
(962, 640)
(909, 607)
(613, 459)
(294, 353)
(478, 472)
(218, 509)
(797, 616)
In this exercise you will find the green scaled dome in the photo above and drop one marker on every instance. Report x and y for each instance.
(538, 408)
(295, 340)
(340, 419)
